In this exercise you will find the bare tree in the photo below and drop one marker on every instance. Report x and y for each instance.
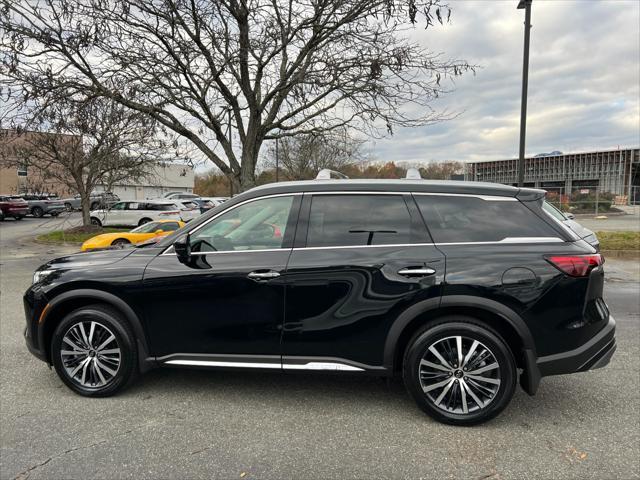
(87, 143)
(303, 156)
(249, 70)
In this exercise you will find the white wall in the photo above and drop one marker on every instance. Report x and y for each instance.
(165, 178)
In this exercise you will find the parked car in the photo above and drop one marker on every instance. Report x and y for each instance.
(203, 204)
(458, 287)
(13, 206)
(136, 213)
(569, 220)
(216, 200)
(151, 230)
(180, 196)
(189, 209)
(98, 201)
(41, 205)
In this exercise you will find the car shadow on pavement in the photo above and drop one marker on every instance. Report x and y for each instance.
(555, 403)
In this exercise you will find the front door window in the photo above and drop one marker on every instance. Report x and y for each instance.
(256, 225)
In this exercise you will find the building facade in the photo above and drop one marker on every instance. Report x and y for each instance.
(614, 171)
(165, 178)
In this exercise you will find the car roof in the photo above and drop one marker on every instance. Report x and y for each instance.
(400, 185)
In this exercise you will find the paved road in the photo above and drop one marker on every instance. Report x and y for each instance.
(612, 223)
(199, 424)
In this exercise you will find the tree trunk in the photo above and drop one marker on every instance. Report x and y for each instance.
(85, 204)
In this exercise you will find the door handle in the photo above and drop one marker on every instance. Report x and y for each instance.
(417, 272)
(263, 275)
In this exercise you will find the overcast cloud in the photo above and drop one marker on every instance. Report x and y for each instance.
(584, 81)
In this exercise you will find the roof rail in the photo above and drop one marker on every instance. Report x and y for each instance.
(327, 174)
(413, 174)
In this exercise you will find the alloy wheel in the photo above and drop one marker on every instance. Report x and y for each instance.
(90, 354)
(459, 375)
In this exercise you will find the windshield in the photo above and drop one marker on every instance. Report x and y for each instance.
(147, 228)
(553, 211)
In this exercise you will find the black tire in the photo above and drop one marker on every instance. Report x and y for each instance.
(120, 242)
(143, 221)
(1, 216)
(470, 330)
(111, 323)
(37, 212)
(95, 205)
(95, 221)
(68, 207)
(55, 214)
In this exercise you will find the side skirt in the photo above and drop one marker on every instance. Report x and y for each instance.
(268, 362)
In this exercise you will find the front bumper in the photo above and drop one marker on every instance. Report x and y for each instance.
(595, 353)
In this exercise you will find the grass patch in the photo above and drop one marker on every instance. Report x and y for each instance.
(76, 234)
(619, 240)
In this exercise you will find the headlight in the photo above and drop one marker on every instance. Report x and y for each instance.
(40, 275)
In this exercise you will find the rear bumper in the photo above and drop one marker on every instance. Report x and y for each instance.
(595, 353)
(17, 211)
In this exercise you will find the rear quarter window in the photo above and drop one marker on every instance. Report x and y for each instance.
(454, 219)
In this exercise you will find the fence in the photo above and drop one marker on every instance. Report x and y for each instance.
(589, 199)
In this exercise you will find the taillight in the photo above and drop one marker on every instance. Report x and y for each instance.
(576, 265)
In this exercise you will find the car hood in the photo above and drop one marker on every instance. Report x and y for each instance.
(87, 259)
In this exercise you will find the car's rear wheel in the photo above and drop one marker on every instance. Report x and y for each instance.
(460, 371)
(37, 212)
(120, 242)
(68, 207)
(1, 216)
(93, 351)
(95, 205)
(143, 221)
(96, 222)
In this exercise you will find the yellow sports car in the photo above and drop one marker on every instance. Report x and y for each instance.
(156, 229)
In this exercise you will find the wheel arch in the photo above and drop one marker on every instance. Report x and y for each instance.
(497, 316)
(66, 302)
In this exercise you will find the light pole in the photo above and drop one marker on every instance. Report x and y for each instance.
(526, 4)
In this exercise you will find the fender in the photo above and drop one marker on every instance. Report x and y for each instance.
(531, 377)
(144, 361)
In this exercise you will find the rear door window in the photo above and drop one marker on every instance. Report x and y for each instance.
(455, 219)
(359, 220)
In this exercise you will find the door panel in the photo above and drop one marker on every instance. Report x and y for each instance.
(228, 298)
(359, 262)
(342, 302)
(214, 307)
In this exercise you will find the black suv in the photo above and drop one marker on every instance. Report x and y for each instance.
(459, 287)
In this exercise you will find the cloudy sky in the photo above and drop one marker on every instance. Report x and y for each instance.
(584, 81)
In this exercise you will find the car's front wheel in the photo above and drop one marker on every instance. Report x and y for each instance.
(93, 351)
(96, 222)
(459, 371)
(37, 212)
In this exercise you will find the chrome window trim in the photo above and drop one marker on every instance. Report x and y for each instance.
(489, 198)
(504, 241)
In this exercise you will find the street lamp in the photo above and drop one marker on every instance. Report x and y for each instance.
(526, 5)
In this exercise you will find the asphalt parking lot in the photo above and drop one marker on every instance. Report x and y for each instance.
(201, 424)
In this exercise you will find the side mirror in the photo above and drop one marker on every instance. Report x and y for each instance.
(182, 247)
(570, 216)
(159, 232)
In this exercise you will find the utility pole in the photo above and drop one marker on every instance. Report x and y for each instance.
(230, 145)
(526, 4)
(277, 160)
